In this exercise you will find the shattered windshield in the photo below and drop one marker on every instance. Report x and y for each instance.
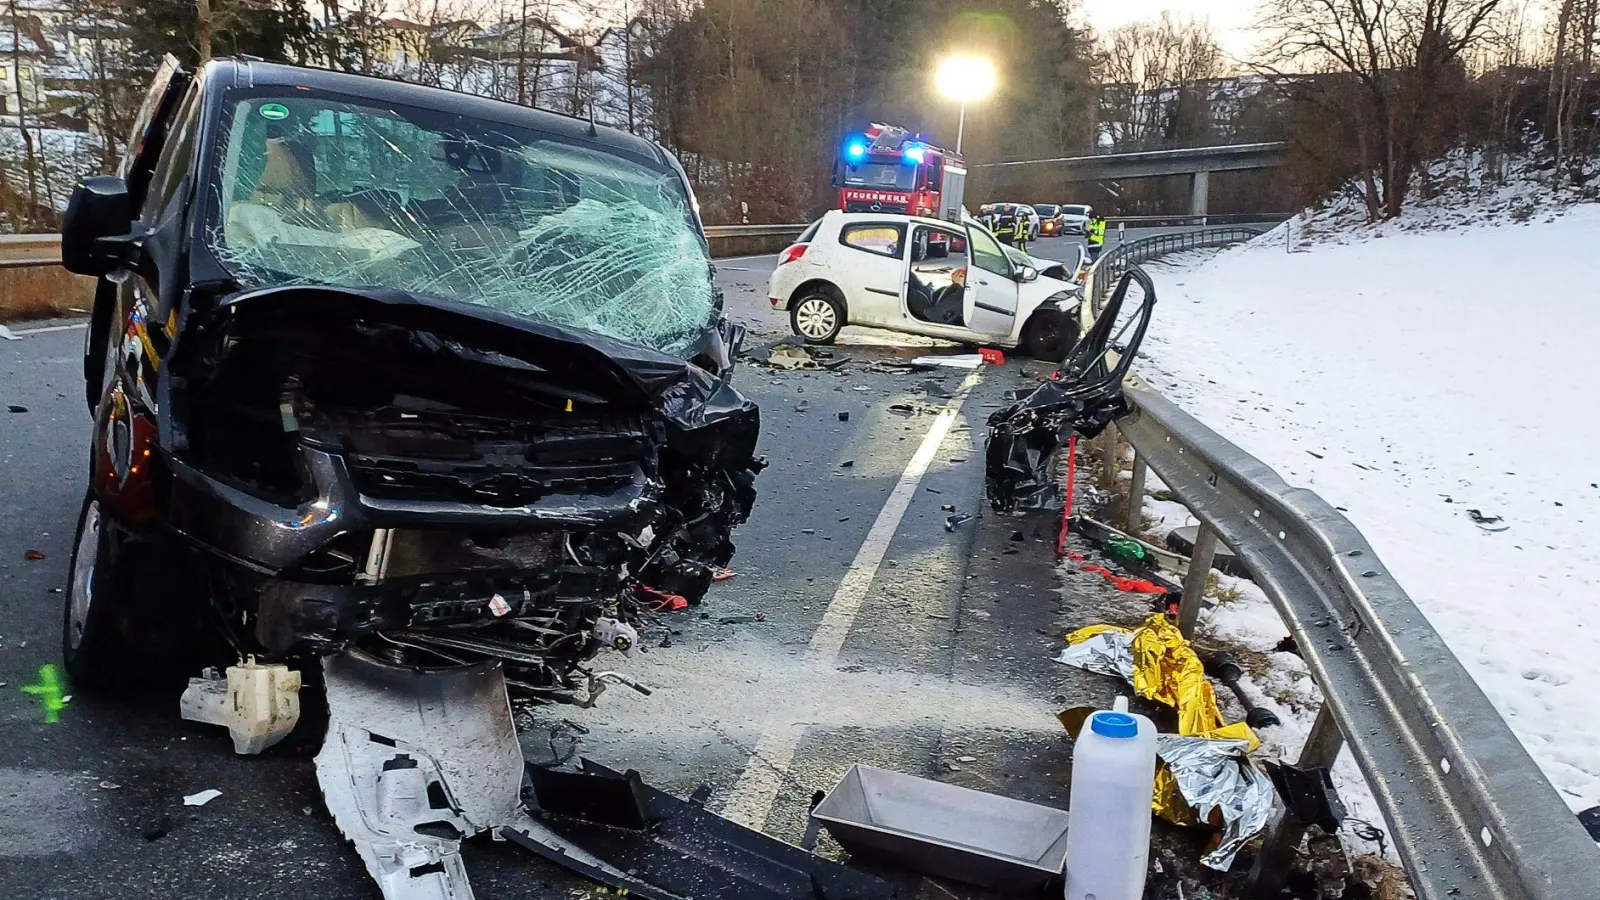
(317, 189)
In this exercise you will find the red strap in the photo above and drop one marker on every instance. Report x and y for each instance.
(1066, 512)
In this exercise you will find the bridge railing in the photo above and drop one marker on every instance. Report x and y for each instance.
(1469, 811)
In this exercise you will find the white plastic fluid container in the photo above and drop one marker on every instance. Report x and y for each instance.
(1108, 821)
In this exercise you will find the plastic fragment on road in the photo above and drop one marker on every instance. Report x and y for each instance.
(258, 704)
(7, 334)
(599, 822)
(951, 360)
(945, 830)
(992, 356)
(202, 798)
(396, 736)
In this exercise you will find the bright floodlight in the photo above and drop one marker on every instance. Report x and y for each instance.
(965, 78)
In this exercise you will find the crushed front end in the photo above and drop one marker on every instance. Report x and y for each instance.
(442, 485)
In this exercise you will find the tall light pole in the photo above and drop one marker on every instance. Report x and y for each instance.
(964, 79)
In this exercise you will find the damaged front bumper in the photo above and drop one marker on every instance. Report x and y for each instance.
(449, 484)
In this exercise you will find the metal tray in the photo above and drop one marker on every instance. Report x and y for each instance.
(944, 830)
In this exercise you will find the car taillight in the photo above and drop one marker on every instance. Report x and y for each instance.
(794, 252)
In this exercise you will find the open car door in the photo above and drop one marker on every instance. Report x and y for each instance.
(991, 295)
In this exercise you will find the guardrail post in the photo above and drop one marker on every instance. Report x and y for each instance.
(1271, 868)
(1109, 456)
(1194, 583)
(1134, 523)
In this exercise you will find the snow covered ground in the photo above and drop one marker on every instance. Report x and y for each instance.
(1409, 376)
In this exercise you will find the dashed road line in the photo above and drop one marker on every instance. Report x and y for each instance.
(756, 791)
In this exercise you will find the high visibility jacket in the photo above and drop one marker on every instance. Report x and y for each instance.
(1097, 232)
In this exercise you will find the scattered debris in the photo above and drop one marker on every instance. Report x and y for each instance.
(953, 361)
(1308, 795)
(966, 759)
(721, 574)
(157, 829)
(844, 416)
(802, 406)
(202, 798)
(947, 507)
(992, 356)
(1018, 537)
(8, 334)
(16, 408)
(952, 522)
(1486, 522)
(110, 786)
(1287, 645)
(1082, 397)
(616, 830)
(258, 704)
(847, 464)
(1225, 668)
(33, 554)
(1208, 780)
(1590, 819)
(944, 830)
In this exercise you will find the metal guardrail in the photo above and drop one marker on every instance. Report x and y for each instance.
(1105, 273)
(1471, 814)
(1205, 220)
(729, 231)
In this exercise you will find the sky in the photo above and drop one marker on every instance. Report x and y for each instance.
(1230, 19)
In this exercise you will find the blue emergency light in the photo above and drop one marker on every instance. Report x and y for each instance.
(855, 151)
(914, 152)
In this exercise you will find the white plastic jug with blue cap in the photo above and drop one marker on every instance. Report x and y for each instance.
(1108, 819)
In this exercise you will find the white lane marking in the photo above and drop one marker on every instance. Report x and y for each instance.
(756, 791)
(49, 328)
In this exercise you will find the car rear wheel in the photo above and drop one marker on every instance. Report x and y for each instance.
(817, 317)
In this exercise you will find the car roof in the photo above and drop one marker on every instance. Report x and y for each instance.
(240, 72)
(846, 218)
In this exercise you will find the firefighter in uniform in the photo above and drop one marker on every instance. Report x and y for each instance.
(1007, 227)
(1097, 237)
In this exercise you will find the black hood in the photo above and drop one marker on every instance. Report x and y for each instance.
(557, 349)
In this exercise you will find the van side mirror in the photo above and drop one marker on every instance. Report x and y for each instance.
(100, 208)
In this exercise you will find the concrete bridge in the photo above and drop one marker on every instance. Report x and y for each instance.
(1196, 162)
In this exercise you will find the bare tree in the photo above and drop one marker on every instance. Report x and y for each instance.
(1154, 79)
(1400, 53)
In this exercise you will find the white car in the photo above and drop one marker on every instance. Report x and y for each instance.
(1075, 218)
(889, 271)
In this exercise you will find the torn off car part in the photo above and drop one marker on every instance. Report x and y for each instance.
(1308, 795)
(414, 761)
(258, 704)
(402, 369)
(671, 848)
(944, 830)
(1083, 395)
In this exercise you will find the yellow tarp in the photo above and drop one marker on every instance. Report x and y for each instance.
(1166, 669)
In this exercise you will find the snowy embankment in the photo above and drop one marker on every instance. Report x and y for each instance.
(1410, 377)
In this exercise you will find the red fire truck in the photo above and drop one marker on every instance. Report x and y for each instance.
(888, 169)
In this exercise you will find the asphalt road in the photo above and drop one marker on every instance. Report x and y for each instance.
(938, 664)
